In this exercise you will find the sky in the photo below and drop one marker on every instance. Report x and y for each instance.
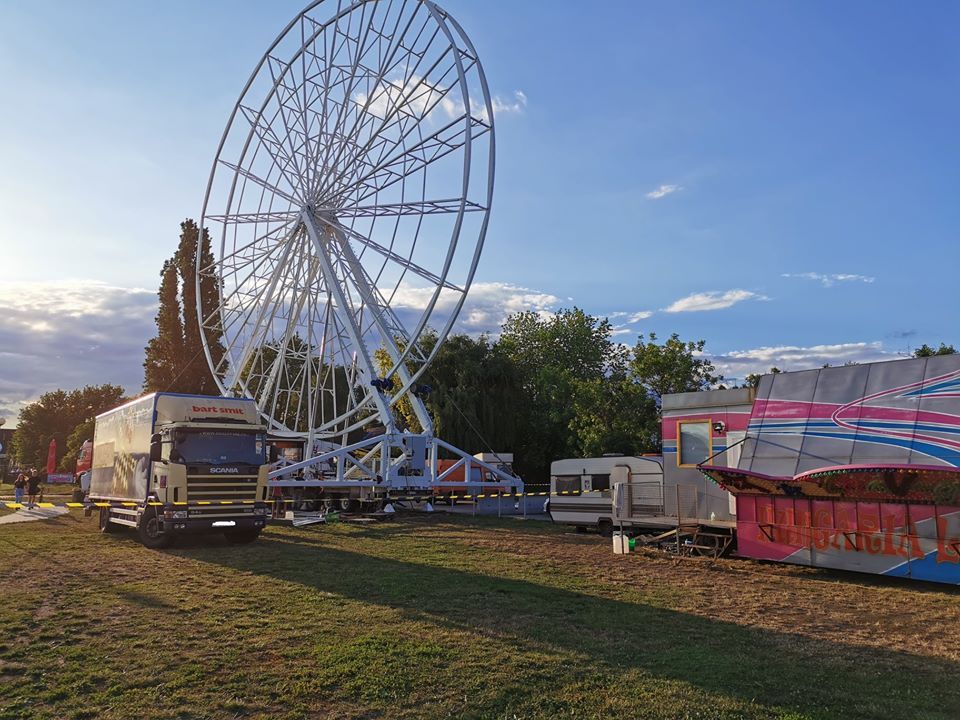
(777, 179)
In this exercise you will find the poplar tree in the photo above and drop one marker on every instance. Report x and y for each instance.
(175, 360)
(164, 353)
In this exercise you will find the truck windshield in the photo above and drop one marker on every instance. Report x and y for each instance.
(218, 447)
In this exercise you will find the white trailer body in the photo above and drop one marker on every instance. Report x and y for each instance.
(580, 488)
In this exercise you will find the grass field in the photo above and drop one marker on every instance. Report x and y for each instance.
(436, 616)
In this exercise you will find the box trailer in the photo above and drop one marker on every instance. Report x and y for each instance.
(168, 464)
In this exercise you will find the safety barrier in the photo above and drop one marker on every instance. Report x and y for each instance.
(390, 498)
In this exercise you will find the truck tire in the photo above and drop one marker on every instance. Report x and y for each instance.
(241, 537)
(105, 525)
(150, 533)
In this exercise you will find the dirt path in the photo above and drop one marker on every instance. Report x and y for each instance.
(29, 514)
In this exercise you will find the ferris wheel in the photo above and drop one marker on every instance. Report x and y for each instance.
(347, 208)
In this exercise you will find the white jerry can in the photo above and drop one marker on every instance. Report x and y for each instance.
(621, 543)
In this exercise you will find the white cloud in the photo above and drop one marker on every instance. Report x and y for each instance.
(417, 96)
(517, 105)
(830, 279)
(487, 306)
(69, 334)
(740, 363)
(713, 300)
(663, 191)
(630, 318)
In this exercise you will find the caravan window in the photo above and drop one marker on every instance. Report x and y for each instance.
(693, 442)
(567, 483)
(600, 482)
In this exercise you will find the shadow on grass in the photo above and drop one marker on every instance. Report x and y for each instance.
(752, 665)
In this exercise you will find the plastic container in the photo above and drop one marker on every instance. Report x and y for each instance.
(621, 544)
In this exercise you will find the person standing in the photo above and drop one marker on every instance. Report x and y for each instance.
(19, 485)
(33, 487)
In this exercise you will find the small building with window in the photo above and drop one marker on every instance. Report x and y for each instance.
(702, 427)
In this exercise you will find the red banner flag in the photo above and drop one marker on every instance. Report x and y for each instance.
(52, 457)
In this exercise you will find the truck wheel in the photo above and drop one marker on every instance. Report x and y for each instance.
(105, 525)
(605, 527)
(149, 531)
(241, 537)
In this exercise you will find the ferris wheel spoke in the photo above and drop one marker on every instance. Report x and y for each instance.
(390, 255)
(412, 160)
(268, 307)
(284, 217)
(270, 187)
(331, 59)
(395, 94)
(282, 160)
(415, 207)
(430, 94)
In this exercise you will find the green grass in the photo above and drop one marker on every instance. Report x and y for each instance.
(447, 618)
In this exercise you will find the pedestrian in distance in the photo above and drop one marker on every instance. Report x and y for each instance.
(279, 511)
(33, 487)
(19, 486)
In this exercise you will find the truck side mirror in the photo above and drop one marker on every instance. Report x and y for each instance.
(156, 447)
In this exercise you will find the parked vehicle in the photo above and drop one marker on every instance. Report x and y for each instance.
(169, 464)
(580, 488)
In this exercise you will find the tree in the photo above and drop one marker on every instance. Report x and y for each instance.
(927, 351)
(614, 415)
(175, 360)
(75, 440)
(56, 415)
(753, 379)
(673, 367)
(164, 353)
(196, 376)
(556, 358)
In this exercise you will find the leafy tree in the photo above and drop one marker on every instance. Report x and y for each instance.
(196, 376)
(56, 415)
(673, 367)
(175, 360)
(614, 415)
(555, 357)
(165, 352)
(927, 351)
(753, 379)
(75, 440)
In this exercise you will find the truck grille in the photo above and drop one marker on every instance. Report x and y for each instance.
(221, 487)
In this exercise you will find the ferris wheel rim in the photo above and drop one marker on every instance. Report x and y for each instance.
(453, 32)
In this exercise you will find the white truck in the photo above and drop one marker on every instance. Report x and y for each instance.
(168, 464)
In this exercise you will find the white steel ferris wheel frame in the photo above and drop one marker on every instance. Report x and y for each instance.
(294, 265)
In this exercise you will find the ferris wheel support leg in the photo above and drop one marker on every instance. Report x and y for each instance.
(345, 316)
(368, 294)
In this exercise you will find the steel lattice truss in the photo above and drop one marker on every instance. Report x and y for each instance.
(347, 208)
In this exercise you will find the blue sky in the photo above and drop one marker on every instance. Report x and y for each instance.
(779, 179)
